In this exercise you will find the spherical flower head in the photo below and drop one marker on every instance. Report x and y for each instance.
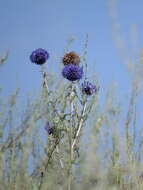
(49, 128)
(39, 56)
(88, 88)
(71, 58)
(72, 72)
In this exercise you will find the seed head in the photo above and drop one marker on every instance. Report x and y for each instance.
(71, 58)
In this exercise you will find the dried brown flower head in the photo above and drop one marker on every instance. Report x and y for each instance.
(71, 58)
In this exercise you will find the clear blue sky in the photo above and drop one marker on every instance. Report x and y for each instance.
(29, 24)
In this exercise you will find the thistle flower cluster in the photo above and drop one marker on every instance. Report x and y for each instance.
(88, 88)
(39, 56)
(49, 128)
(72, 71)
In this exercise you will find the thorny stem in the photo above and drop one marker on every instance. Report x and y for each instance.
(74, 139)
(129, 115)
(43, 163)
(61, 162)
(45, 83)
(79, 127)
(47, 163)
(70, 136)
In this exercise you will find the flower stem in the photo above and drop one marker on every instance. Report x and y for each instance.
(70, 136)
(79, 127)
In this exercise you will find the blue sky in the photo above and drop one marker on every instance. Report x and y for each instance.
(29, 24)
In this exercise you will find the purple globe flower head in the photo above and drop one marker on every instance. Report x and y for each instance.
(72, 72)
(49, 128)
(39, 56)
(88, 88)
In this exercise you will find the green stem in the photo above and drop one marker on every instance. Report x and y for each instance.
(70, 136)
(79, 127)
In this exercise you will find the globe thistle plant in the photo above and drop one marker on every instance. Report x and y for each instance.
(39, 56)
(71, 58)
(64, 135)
(72, 72)
(88, 88)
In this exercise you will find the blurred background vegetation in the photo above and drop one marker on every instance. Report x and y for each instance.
(109, 151)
